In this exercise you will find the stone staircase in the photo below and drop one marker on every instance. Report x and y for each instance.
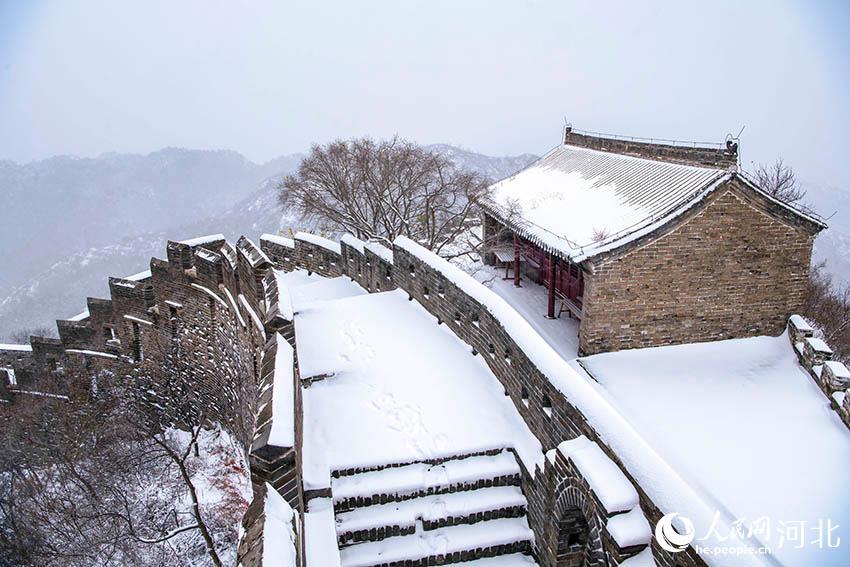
(459, 509)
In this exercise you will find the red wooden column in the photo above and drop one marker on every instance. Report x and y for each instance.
(516, 260)
(550, 311)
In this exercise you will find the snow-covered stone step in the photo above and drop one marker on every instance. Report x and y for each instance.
(421, 479)
(445, 545)
(436, 511)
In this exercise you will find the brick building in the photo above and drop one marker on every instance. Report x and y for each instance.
(651, 244)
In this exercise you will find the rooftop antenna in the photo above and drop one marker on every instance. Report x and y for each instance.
(732, 143)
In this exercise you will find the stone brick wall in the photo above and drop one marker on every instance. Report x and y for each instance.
(728, 269)
(721, 158)
(831, 376)
(324, 260)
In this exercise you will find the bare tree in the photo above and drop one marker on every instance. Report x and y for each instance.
(828, 307)
(381, 190)
(22, 336)
(96, 482)
(778, 180)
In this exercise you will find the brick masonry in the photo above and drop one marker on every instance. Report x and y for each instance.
(722, 158)
(728, 268)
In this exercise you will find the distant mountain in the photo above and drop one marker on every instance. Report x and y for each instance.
(57, 284)
(58, 206)
(496, 168)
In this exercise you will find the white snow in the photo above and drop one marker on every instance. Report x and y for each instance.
(409, 479)
(319, 241)
(324, 290)
(605, 478)
(279, 538)
(818, 345)
(380, 251)
(80, 316)
(642, 559)
(800, 323)
(286, 283)
(207, 255)
(203, 239)
(434, 507)
(138, 277)
(281, 240)
(253, 249)
(746, 430)
(838, 369)
(138, 320)
(253, 314)
(10, 374)
(441, 541)
(630, 528)
(90, 353)
(530, 301)
(282, 432)
(512, 560)
(575, 198)
(353, 241)
(233, 304)
(398, 391)
(211, 293)
(16, 347)
(320, 541)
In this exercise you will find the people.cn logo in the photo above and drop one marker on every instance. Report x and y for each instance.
(669, 538)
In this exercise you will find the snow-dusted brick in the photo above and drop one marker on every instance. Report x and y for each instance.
(353, 241)
(605, 478)
(279, 240)
(630, 529)
(835, 375)
(816, 351)
(282, 432)
(279, 538)
(319, 241)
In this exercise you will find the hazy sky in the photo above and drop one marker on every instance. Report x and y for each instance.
(498, 77)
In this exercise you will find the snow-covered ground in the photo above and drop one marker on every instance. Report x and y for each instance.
(399, 388)
(530, 300)
(749, 431)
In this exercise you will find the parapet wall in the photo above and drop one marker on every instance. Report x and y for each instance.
(701, 156)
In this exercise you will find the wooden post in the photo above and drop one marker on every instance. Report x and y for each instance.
(516, 260)
(550, 311)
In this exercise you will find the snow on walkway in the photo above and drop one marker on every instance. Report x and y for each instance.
(530, 300)
(400, 389)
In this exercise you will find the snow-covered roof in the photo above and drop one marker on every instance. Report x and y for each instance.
(575, 198)
(578, 202)
(748, 431)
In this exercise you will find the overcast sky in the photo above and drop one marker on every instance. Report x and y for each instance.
(84, 78)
